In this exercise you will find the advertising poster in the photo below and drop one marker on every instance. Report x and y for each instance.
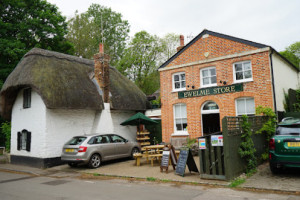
(217, 140)
(202, 143)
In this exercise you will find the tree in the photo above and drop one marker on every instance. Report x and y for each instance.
(98, 25)
(292, 53)
(139, 62)
(169, 43)
(25, 24)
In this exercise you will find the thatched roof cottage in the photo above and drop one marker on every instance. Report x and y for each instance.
(50, 97)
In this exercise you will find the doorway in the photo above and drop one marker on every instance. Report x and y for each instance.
(210, 118)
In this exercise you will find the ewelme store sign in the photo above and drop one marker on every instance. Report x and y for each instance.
(211, 91)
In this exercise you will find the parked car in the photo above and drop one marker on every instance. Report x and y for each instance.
(284, 146)
(93, 149)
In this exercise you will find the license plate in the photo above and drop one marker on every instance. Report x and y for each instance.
(69, 150)
(293, 144)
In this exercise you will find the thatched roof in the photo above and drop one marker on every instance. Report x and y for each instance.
(65, 82)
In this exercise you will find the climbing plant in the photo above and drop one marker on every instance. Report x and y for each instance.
(246, 149)
(268, 128)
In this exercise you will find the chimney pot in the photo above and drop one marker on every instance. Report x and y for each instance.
(181, 40)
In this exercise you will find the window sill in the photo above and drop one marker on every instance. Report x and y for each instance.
(244, 81)
(208, 86)
(180, 134)
(184, 89)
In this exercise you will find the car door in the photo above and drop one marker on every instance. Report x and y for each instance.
(122, 146)
(105, 147)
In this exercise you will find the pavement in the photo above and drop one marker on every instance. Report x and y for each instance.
(263, 180)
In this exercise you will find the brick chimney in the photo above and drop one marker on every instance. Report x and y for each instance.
(101, 70)
(181, 43)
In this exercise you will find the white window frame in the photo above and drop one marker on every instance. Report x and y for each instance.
(179, 132)
(244, 79)
(244, 98)
(173, 81)
(201, 77)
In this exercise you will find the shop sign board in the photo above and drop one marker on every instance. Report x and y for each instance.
(202, 143)
(216, 140)
(211, 91)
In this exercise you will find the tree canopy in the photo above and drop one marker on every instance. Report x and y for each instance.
(25, 24)
(98, 25)
(292, 53)
(139, 61)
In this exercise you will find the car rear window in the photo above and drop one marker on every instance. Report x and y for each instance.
(76, 141)
(288, 130)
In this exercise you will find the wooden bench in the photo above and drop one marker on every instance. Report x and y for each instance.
(137, 158)
(154, 157)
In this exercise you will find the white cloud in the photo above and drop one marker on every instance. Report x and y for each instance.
(271, 22)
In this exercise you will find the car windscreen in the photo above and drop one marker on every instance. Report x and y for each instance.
(288, 130)
(76, 141)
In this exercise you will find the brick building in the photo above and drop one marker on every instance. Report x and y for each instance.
(217, 75)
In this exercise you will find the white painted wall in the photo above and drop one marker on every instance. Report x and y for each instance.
(153, 113)
(62, 125)
(52, 128)
(128, 132)
(285, 77)
(32, 119)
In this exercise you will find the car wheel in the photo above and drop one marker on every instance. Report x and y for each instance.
(274, 169)
(95, 161)
(71, 164)
(134, 151)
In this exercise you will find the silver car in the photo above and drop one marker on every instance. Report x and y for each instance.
(93, 149)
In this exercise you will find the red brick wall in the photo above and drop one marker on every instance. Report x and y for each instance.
(260, 88)
(216, 47)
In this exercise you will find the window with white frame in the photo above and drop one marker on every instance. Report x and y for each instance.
(242, 71)
(245, 106)
(179, 81)
(208, 77)
(180, 117)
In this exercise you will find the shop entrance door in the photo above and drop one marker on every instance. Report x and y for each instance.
(210, 118)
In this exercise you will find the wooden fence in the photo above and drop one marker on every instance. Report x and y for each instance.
(225, 163)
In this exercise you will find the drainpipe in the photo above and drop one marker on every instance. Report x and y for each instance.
(273, 82)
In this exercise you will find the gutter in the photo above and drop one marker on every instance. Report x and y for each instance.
(273, 82)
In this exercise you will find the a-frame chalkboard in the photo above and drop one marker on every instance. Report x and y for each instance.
(165, 161)
(185, 158)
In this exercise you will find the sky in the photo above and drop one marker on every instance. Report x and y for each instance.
(271, 22)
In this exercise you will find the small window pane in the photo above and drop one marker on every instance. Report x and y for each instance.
(213, 79)
(239, 75)
(248, 74)
(250, 108)
(212, 72)
(183, 84)
(238, 67)
(205, 81)
(176, 77)
(177, 111)
(205, 73)
(247, 66)
(182, 76)
(241, 106)
(177, 85)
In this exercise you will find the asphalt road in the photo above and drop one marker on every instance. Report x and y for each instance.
(23, 186)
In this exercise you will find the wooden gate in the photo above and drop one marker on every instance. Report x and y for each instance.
(212, 159)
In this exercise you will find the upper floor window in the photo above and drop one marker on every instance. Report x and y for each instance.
(179, 81)
(245, 106)
(180, 117)
(242, 71)
(27, 98)
(208, 77)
